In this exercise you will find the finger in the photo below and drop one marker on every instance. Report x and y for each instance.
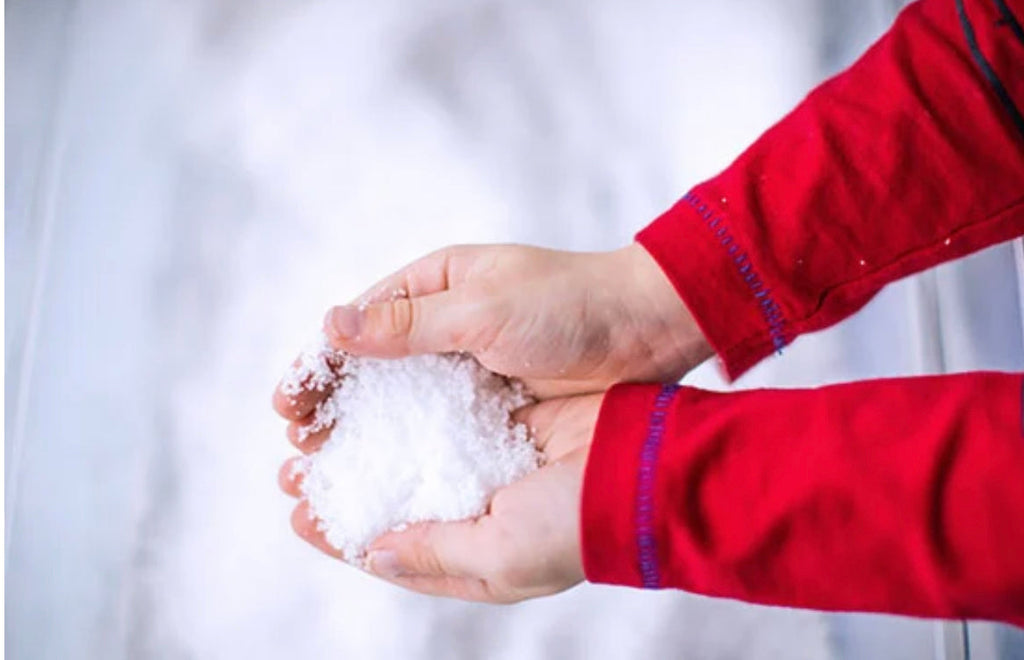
(308, 435)
(452, 549)
(436, 323)
(296, 406)
(303, 387)
(553, 388)
(560, 426)
(291, 474)
(433, 273)
(306, 528)
(539, 419)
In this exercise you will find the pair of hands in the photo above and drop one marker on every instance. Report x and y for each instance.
(569, 325)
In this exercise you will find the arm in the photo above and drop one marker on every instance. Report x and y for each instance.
(901, 496)
(908, 159)
(913, 504)
(683, 502)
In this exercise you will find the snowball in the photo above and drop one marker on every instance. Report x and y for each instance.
(414, 439)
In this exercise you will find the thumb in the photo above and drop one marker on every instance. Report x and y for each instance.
(454, 549)
(434, 323)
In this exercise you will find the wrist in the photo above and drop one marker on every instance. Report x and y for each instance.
(673, 339)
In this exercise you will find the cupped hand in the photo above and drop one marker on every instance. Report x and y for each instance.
(567, 324)
(564, 322)
(526, 544)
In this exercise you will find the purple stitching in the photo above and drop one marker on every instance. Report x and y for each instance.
(770, 310)
(646, 545)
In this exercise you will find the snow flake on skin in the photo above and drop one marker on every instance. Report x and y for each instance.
(298, 468)
(324, 416)
(381, 294)
(315, 370)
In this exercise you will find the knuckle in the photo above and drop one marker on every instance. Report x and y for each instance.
(399, 317)
(413, 317)
(432, 562)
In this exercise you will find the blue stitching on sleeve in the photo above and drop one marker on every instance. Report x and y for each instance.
(770, 311)
(647, 547)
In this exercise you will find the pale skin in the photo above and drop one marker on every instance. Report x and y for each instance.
(569, 325)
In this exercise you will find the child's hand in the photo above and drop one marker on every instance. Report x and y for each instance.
(565, 323)
(526, 545)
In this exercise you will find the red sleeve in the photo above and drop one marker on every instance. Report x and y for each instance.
(903, 496)
(913, 156)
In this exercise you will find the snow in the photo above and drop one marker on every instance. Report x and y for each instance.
(220, 174)
(415, 439)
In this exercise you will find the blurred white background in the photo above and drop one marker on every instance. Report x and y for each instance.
(190, 183)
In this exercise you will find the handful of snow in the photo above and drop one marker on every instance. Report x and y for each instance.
(424, 438)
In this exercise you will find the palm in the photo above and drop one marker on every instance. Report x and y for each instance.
(526, 545)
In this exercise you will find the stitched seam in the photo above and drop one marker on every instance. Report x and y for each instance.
(771, 313)
(647, 550)
(742, 345)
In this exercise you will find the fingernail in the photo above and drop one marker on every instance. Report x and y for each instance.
(345, 322)
(384, 563)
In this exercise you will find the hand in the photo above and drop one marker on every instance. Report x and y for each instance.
(565, 323)
(526, 545)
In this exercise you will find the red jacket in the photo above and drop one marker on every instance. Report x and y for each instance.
(903, 495)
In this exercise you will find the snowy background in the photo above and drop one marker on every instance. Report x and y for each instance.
(190, 183)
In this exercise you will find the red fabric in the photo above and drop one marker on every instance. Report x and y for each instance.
(896, 496)
(609, 532)
(903, 161)
(916, 506)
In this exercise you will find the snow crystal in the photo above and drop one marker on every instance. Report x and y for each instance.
(414, 439)
(314, 370)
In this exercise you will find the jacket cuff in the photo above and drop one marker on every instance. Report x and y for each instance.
(617, 521)
(719, 280)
